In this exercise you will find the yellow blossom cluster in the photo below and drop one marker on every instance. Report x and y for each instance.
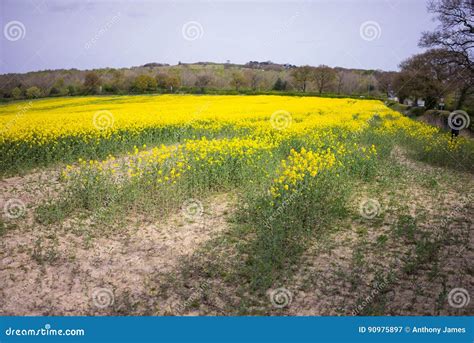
(308, 164)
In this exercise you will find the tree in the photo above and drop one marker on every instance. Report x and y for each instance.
(144, 83)
(202, 81)
(33, 92)
(162, 80)
(280, 85)
(385, 81)
(237, 81)
(301, 77)
(455, 32)
(340, 78)
(16, 93)
(254, 78)
(91, 83)
(167, 81)
(58, 88)
(72, 90)
(429, 76)
(323, 77)
(118, 81)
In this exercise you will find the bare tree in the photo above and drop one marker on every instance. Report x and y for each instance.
(455, 32)
(253, 78)
(91, 82)
(385, 81)
(340, 79)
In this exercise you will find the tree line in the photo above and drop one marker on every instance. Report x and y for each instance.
(444, 73)
(194, 78)
(441, 76)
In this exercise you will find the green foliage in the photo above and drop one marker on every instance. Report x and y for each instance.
(167, 82)
(280, 85)
(284, 228)
(416, 111)
(238, 80)
(16, 93)
(33, 92)
(144, 83)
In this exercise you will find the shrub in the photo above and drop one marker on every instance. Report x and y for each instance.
(416, 111)
(16, 93)
(144, 83)
(33, 92)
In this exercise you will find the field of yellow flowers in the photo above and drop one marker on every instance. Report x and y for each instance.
(42, 132)
(293, 162)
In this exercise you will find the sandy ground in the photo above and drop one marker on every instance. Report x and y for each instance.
(46, 272)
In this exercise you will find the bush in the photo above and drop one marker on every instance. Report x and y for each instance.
(416, 111)
(144, 83)
(33, 92)
(16, 93)
(396, 106)
(437, 114)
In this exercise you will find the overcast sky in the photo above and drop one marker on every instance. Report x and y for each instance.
(53, 34)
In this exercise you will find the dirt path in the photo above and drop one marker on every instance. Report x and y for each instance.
(48, 272)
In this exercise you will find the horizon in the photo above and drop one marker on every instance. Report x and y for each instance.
(52, 35)
(178, 64)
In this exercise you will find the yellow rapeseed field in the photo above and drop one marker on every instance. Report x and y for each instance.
(65, 129)
(293, 162)
(87, 118)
